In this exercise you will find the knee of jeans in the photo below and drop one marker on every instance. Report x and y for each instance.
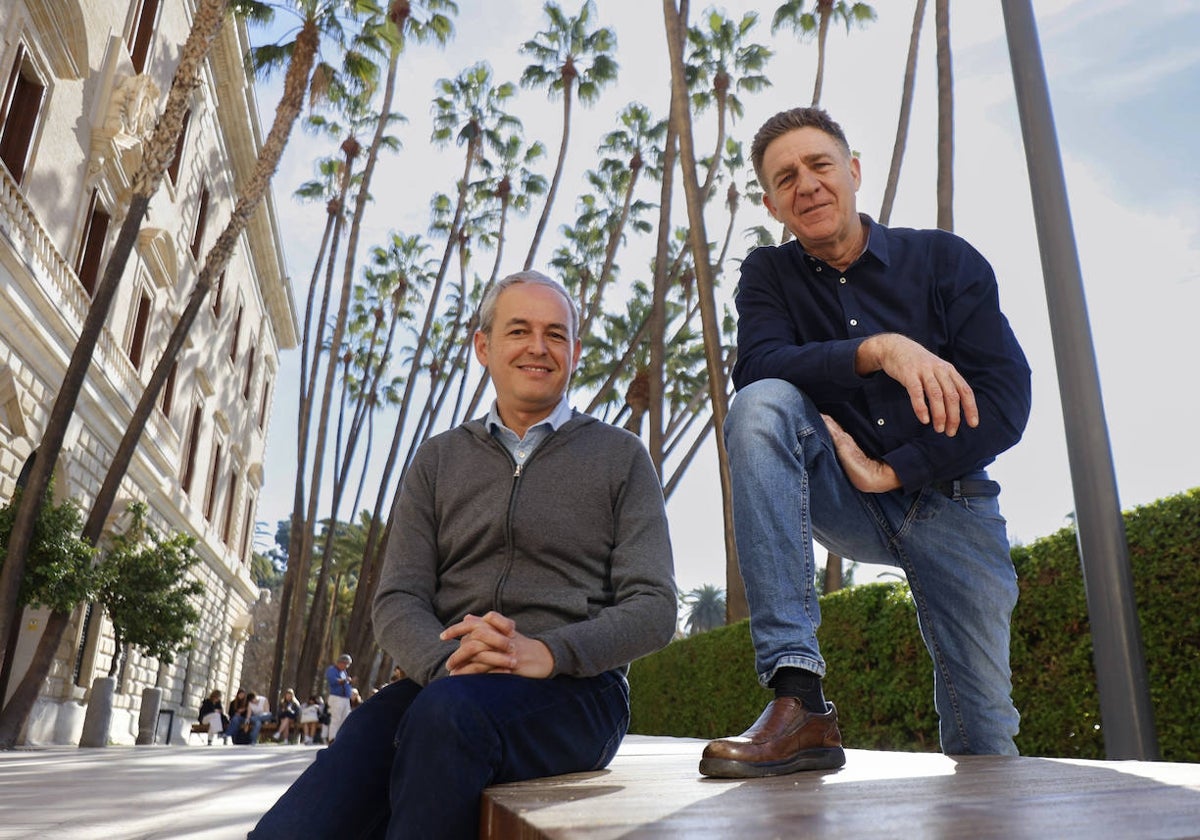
(767, 407)
(445, 712)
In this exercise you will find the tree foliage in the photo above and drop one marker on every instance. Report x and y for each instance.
(145, 588)
(58, 572)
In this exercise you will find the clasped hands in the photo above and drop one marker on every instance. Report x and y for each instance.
(939, 396)
(491, 645)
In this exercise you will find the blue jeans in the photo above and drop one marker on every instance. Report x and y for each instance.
(413, 761)
(788, 488)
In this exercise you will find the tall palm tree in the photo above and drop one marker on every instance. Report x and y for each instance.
(676, 21)
(572, 60)
(406, 257)
(945, 164)
(805, 22)
(388, 34)
(157, 153)
(470, 111)
(719, 65)
(906, 99)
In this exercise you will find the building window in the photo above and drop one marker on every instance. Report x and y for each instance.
(91, 246)
(19, 112)
(201, 222)
(228, 531)
(177, 161)
(248, 528)
(218, 293)
(189, 457)
(168, 394)
(143, 33)
(137, 336)
(249, 371)
(266, 399)
(210, 499)
(237, 329)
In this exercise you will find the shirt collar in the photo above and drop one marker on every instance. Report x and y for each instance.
(560, 415)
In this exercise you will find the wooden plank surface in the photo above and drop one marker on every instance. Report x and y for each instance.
(653, 790)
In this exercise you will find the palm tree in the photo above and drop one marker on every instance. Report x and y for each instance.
(676, 21)
(470, 111)
(406, 258)
(945, 165)
(571, 60)
(906, 98)
(157, 153)
(387, 35)
(706, 609)
(719, 65)
(803, 23)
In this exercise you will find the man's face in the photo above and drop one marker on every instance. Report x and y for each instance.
(810, 187)
(530, 352)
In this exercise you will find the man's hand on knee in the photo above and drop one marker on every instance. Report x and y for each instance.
(864, 472)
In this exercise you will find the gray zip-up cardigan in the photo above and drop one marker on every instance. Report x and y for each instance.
(573, 546)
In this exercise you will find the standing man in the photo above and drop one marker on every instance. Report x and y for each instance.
(527, 564)
(340, 685)
(876, 379)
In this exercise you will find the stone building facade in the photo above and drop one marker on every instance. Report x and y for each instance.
(82, 83)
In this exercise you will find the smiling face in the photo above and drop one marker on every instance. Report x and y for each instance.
(811, 181)
(530, 353)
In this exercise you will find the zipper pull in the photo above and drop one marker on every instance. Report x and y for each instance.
(517, 472)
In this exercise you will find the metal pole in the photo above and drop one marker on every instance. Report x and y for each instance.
(1125, 710)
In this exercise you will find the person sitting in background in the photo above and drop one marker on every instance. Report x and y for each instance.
(259, 713)
(237, 714)
(289, 712)
(310, 714)
(212, 716)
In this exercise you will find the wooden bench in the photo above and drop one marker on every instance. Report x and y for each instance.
(202, 729)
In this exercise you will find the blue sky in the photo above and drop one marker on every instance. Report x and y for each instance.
(1125, 85)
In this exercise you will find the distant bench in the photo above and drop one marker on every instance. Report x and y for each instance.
(264, 734)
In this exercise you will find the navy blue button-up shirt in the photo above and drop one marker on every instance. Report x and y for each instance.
(801, 320)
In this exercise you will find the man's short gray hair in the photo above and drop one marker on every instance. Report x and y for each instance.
(487, 307)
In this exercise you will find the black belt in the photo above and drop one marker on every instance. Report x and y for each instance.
(967, 488)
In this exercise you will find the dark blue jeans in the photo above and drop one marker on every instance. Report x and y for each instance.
(412, 761)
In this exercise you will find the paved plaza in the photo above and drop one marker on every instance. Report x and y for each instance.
(651, 790)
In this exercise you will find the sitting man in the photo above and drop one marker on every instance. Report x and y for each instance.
(877, 378)
(528, 563)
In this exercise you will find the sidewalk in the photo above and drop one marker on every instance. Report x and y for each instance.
(651, 790)
(139, 793)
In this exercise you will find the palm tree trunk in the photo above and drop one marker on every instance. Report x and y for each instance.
(156, 154)
(544, 219)
(16, 710)
(680, 114)
(310, 652)
(658, 308)
(906, 100)
(945, 176)
(824, 10)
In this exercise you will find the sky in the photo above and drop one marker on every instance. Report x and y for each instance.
(1124, 79)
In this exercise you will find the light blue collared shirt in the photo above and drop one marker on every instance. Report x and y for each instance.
(522, 449)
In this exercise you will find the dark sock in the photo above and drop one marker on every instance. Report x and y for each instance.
(803, 685)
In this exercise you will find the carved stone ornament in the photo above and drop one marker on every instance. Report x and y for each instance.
(132, 111)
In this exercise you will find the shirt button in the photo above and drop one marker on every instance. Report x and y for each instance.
(842, 280)
(818, 268)
(854, 322)
(879, 422)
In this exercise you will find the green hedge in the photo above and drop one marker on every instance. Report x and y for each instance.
(879, 673)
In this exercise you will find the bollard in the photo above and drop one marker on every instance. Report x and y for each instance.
(98, 717)
(148, 717)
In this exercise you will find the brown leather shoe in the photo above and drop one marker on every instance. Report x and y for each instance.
(786, 737)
